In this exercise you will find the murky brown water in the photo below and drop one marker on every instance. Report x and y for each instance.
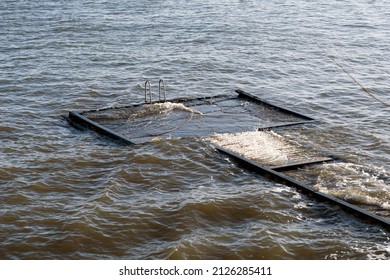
(71, 194)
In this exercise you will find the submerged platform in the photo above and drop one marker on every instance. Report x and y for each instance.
(183, 117)
(236, 116)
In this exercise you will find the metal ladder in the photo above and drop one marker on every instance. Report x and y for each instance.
(147, 89)
(161, 86)
(161, 91)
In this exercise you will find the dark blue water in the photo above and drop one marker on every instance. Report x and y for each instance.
(69, 194)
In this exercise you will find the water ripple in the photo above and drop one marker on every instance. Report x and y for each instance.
(72, 194)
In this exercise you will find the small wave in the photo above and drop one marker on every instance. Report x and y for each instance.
(139, 112)
(7, 128)
(355, 183)
(161, 109)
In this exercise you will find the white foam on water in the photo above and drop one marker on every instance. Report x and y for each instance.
(265, 147)
(148, 110)
(351, 182)
(139, 112)
(355, 183)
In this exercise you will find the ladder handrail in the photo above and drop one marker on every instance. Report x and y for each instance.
(161, 85)
(150, 92)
